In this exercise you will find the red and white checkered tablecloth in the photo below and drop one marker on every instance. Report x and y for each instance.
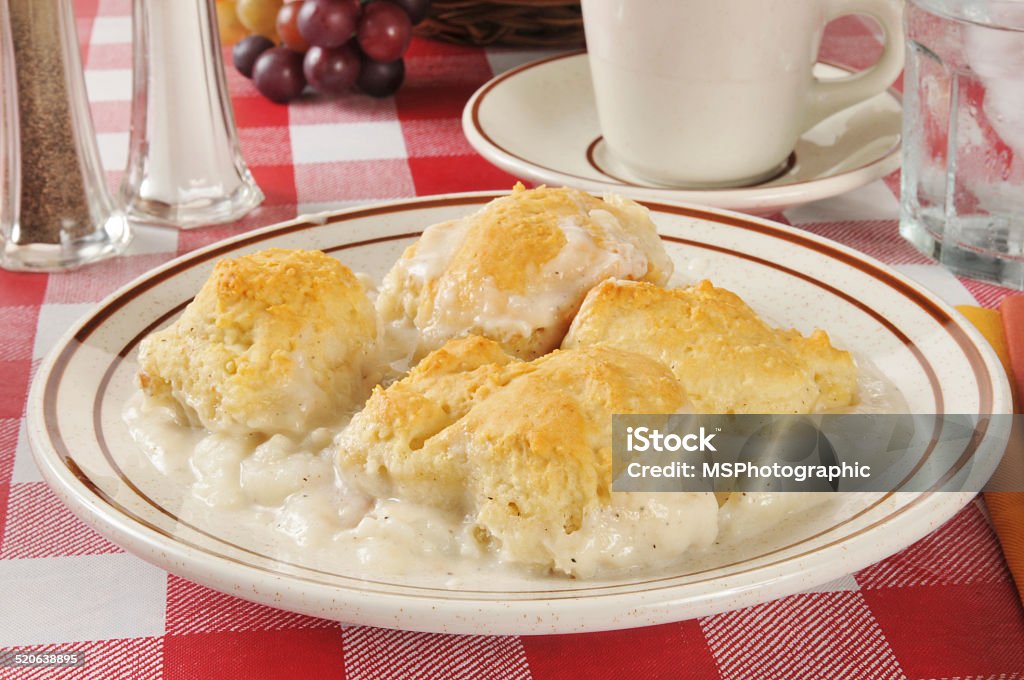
(945, 607)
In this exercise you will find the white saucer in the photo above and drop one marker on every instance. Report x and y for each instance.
(539, 122)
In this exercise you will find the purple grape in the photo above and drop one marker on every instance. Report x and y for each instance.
(380, 79)
(328, 23)
(278, 74)
(332, 70)
(384, 31)
(247, 50)
(416, 9)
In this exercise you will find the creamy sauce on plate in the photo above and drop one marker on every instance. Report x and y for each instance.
(283, 496)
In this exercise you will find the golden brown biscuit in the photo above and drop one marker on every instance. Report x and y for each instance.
(539, 451)
(728, 359)
(382, 449)
(517, 269)
(275, 341)
(524, 451)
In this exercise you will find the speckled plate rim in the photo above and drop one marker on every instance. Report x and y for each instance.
(899, 520)
(758, 199)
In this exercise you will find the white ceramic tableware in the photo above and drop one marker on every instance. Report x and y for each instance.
(713, 93)
(936, 358)
(539, 122)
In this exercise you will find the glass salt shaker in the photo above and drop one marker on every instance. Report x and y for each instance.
(55, 211)
(185, 168)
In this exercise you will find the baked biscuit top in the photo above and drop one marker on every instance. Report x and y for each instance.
(517, 269)
(539, 451)
(274, 341)
(523, 449)
(386, 450)
(727, 358)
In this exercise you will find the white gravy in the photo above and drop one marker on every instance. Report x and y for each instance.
(282, 496)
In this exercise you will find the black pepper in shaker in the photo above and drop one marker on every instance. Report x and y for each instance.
(65, 215)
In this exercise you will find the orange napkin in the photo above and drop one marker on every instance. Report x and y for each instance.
(1005, 331)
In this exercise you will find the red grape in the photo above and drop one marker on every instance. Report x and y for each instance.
(384, 31)
(416, 9)
(278, 74)
(287, 27)
(247, 50)
(328, 23)
(332, 70)
(380, 79)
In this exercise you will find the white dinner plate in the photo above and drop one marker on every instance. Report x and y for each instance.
(539, 121)
(941, 364)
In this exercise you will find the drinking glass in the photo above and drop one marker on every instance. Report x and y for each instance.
(963, 136)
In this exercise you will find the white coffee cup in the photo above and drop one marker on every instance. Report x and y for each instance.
(715, 93)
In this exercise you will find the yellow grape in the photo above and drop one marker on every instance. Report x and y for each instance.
(259, 16)
(230, 28)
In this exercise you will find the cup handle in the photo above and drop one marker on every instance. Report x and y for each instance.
(830, 96)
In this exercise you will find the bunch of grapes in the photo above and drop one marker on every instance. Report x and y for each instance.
(334, 46)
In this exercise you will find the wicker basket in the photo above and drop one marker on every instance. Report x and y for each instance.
(516, 23)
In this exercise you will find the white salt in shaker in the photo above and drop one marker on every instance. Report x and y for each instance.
(185, 168)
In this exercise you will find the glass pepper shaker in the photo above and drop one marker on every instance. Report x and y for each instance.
(56, 212)
(9, 186)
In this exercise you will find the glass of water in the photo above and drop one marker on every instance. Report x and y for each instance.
(963, 136)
